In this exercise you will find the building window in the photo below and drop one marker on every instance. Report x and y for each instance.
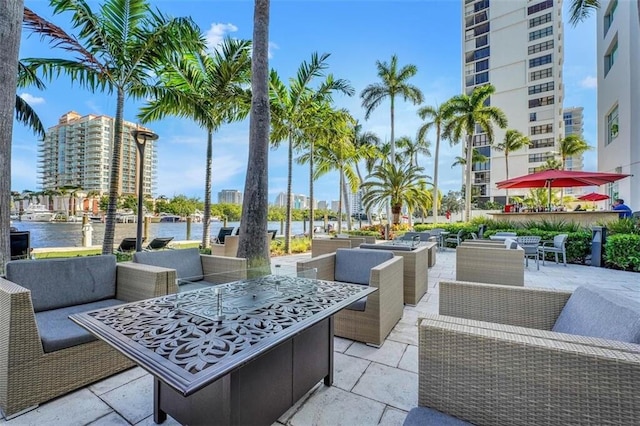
(481, 29)
(543, 128)
(612, 125)
(608, 17)
(482, 78)
(540, 74)
(536, 158)
(611, 56)
(540, 6)
(539, 20)
(482, 41)
(539, 88)
(481, 53)
(481, 140)
(482, 65)
(540, 47)
(544, 101)
(535, 35)
(542, 143)
(540, 60)
(532, 116)
(481, 5)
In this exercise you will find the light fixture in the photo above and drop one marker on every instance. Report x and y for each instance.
(141, 137)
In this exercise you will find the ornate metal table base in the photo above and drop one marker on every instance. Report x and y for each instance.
(260, 391)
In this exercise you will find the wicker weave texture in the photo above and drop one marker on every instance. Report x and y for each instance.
(496, 377)
(229, 248)
(320, 246)
(416, 268)
(490, 265)
(383, 309)
(28, 376)
(222, 269)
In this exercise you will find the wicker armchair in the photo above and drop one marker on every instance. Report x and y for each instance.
(320, 246)
(29, 375)
(490, 359)
(383, 308)
(490, 263)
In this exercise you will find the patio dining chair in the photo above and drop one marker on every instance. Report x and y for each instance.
(455, 239)
(530, 245)
(555, 246)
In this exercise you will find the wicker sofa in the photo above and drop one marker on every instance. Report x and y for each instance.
(43, 354)
(192, 269)
(491, 357)
(372, 321)
(416, 260)
(492, 263)
(320, 246)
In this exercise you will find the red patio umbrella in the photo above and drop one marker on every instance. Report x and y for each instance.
(560, 179)
(593, 196)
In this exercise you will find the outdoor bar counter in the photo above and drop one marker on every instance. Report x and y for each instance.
(586, 218)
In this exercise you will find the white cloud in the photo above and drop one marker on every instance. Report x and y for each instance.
(272, 47)
(589, 82)
(216, 34)
(32, 100)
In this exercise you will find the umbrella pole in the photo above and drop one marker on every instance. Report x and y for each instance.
(549, 196)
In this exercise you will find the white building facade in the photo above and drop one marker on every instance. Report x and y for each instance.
(517, 47)
(230, 196)
(618, 59)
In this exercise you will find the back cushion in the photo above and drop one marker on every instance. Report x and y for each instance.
(510, 244)
(599, 313)
(186, 262)
(354, 265)
(59, 283)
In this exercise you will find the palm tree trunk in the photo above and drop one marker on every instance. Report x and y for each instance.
(339, 230)
(110, 219)
(253, 245)
(347, 205)
(435, 176)
(506, 168)
(206, 217)
(287, 227)
(11, 12)
(467, 189)
(311, 203)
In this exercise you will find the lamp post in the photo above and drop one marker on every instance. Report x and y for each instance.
(141, 137)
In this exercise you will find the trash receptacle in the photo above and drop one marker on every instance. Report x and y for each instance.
(598, 238)
(481, 230)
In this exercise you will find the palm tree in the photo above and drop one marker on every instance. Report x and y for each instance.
(11, 12)
(438, 116)
(550, 164)
(513, 141)
(412, 148)
(367, 144)
(394, 83)
(571, 146)
(402, 184)
(25, 114)
(211, 90)
(253, 225)
(581, 9)
(476, 157)
(118, 48)
(290, 107)
(467, 111)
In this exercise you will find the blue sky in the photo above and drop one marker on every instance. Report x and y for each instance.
(356, 33)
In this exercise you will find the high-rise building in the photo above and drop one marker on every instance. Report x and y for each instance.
(77, 152)
(573, 120)
(335, 206)
(231, 196)
(355, 202)
(297, 201)
(618, 59)
(322, 205)
(516, 46)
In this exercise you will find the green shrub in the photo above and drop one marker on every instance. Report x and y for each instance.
(622, 251)
(623, 226)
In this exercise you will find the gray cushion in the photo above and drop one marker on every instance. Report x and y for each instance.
(57, 283)
(186, 262)
(408, 236)
(424, 236)
(420, 416)
(510, 244)
(600, 313)
(57, 331)
(358, 305)
(354, 265)
(383, 246)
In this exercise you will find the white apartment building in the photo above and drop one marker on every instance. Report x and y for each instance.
(298, 201)
(77, 152)
(517, 46)
(573, 125)
(231, 196)
(618, 58)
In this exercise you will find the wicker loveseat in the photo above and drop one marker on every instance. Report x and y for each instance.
(372, 320)
(43, 354)
(521, 356)
(194, 270)
(492, 263)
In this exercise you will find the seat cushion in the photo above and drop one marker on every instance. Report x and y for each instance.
(57, 331)
(186, 262)
(354, 265)
(421, 416)
(58, 283)
(600, 313)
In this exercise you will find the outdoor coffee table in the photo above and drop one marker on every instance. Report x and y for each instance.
(243, 361)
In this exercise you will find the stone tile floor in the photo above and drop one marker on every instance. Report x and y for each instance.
(371, 386)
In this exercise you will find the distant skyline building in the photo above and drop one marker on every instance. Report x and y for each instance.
(517, 46)
(230, 196)
(618, 61)
(322, 205)
(298, 201)
(77, 152)
(355, 202)
(573, 125)
(335, 206)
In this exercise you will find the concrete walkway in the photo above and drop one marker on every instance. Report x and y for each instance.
(371, 386)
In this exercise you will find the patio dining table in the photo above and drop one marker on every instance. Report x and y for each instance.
(233, 354)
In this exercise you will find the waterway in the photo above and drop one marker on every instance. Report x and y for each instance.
(51, 234)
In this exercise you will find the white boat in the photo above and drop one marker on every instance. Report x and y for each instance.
(37, 213)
